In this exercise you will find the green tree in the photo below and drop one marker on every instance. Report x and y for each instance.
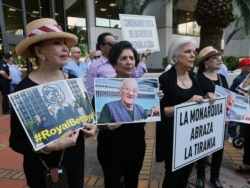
(82, 38)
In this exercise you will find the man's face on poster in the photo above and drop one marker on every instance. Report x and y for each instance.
(230, 101)
(129, 92)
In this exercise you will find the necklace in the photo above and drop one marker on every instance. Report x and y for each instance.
(220, 82)
(183, 80)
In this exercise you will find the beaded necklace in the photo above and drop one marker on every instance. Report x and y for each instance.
(219, 80)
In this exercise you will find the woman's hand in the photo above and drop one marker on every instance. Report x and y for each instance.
(155, 111)
(111, 126)
(66, 140)
(160, 94)
(212, 97)
(196, 98)
(89, 130)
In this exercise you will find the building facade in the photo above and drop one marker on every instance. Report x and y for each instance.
(95, 17)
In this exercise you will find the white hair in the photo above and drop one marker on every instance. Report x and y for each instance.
(174, 48)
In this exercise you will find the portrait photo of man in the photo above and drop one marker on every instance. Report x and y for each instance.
(124, 107)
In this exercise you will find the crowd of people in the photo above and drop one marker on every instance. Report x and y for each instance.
(121, 147)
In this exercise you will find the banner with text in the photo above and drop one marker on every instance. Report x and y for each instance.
(141, 31)
(198, 131)
(48, 110)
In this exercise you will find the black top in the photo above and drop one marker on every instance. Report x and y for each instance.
(20, 143)
(173, 95)
(208, 85)
(4, 67)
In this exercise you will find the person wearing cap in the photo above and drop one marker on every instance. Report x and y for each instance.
(48, 44)
(244, 131)
(102, 68)
(179, 85)
(244, 65)
(5, 80)
(209, 62)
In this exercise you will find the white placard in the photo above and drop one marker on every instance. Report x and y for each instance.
(198, 131)
(141, 31)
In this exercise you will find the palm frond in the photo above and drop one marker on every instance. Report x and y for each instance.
(230, 36)
(244, 9)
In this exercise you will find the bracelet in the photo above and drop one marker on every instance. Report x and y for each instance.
(143, 55)
(45, 152)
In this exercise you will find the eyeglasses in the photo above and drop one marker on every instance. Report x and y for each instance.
(129, 89)
(96, 57)
(77, 52)
(110, 43)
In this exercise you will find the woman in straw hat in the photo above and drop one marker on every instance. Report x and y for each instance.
(48, 44)
(179, 85)
(209, 62)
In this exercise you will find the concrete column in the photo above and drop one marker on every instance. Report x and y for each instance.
(90, 23)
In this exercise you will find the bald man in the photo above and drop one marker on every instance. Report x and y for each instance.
(75, 66)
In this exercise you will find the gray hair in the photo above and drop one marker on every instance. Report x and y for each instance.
(174, 48)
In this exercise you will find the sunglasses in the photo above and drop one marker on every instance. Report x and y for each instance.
(110, 43)
(96, 57)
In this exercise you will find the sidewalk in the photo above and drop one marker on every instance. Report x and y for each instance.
(12, 176)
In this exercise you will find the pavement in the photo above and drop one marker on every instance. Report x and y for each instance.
(151, 176)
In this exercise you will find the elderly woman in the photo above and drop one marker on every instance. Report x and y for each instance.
(48, 44)
(121, 147)
(209, 62)
(179, 86)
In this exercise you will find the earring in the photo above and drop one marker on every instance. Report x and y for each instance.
(42, 57)
(206, 66)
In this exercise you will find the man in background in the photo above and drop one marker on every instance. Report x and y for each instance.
(15, 74)
(98, 54)
(5, 80)
(75, 66)
(90, 57)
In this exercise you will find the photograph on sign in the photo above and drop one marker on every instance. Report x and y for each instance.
(201, 129)
(141, 31)
(237, 105)
(48, 110)
(126, 100)
(244, 87)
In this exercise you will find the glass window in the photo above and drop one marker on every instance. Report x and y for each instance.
(13, 3)
(13, 20)
(184, 23)
(107, 13)
(59, 12)
(77, 22)
(45, 9)
(32, 7)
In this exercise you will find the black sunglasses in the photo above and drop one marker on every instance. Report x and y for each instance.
(110, 43)
(96, 57)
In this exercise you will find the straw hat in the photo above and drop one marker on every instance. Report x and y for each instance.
(206, 53)
(43, 29)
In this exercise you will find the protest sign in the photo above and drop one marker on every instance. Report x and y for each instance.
(237, 105)
(244, 87)
(126, 100)
(48, 110)
(198, 131)
(141, 31)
